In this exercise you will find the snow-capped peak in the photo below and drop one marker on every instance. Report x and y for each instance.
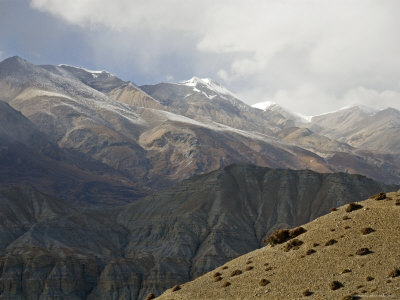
(263, 105)
(209, 84)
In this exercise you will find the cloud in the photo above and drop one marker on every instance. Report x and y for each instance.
(310, 55)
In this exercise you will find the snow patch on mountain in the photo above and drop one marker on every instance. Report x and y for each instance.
(263, 105)
(94, 73)
(210, 84)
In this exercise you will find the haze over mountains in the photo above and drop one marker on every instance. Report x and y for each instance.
(115, 190)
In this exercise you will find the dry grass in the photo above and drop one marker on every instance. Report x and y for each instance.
(286, 276)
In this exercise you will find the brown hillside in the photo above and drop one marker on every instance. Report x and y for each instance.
(353, 251)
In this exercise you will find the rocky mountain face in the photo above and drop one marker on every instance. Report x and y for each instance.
(350, 253)
(50, 249)
(27, 156)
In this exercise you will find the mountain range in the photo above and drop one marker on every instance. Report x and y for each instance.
(111, 190)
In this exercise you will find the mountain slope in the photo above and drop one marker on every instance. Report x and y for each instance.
(205, 100)
(27, 156)
(340, 254)
(365, 129)
(169, 237)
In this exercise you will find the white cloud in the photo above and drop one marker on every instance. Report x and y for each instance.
(310, 55)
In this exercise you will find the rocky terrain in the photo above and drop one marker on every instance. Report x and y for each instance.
(50, 249)
(350, 253)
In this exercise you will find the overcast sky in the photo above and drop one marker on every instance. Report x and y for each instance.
(311, 56)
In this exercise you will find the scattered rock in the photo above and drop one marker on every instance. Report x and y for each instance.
(315, 245)
(346, 218)
(310, 251)
(334, 285)
(347, 227)
(353, 206)
(363, 251)
(333, 209)
(379, 196)
(216, 274)
(367, 230)
(278, 237)
(293, 245)
(248, 262)
(330, 242)
(264, 282)
(282, 235)
(332, 229)
(226, 284)
(370, 278)
(224, 267)
(346, 271)
(248, 268)
(218, 278)
(176, 288)
(236, 272)
(350, 297)
(307, 293)
(295, 232)
(150, 296)
(394, 273)
(397, 202)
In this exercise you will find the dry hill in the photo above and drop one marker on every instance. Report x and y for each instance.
(351, 253)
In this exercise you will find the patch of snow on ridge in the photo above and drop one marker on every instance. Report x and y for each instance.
(209, 83)
(303, 118)
(263, 105)
(95, 73)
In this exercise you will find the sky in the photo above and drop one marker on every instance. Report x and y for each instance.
(310, 56)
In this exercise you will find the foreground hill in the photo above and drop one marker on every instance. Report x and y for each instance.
(52, 250)
(352, 251)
